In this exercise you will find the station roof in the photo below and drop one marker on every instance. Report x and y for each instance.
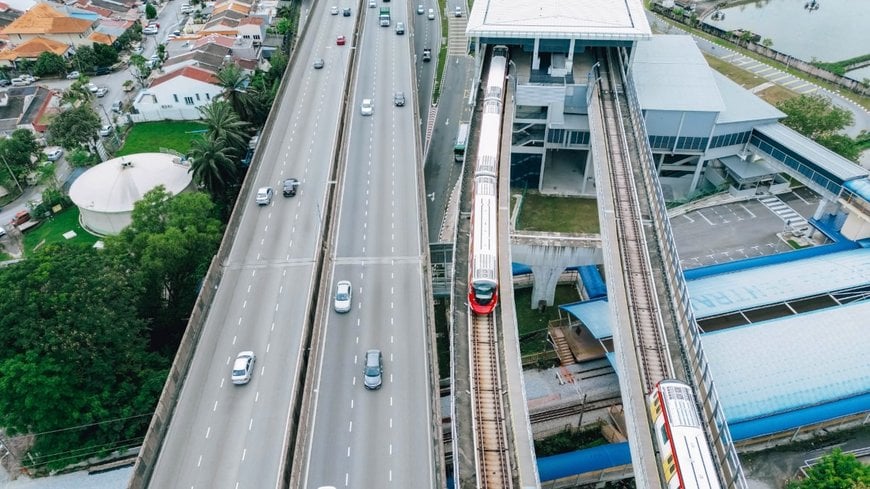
(821, 156)
(670, 74)
(748, 169)
(741, 105)
(595, 315)
(791, 363)
(606, 20)
(746, 289)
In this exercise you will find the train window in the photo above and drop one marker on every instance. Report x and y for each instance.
(656, 407)
(670, 467)
(664, 435)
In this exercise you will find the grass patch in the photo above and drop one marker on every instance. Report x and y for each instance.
(558, 214)
(795, 245)
(776, 94)
(532, 324)
(568, 441)
(5, 256)
(738, 75)
(52, 229)
(149, 137)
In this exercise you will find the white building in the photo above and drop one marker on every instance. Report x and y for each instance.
(177, 95)
(106, 193)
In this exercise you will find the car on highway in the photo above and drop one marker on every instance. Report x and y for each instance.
(289, 187)
(102, 91)
(400, 28)
(264, 195)
(458, 11)
(374, 370)
(399, 99)
(243, 367)
(105, 130)
(420, 9)
(318, 63)
(54, 154)
(340, 40)
(373, 4)
(72, 75)
(333, 10)
(431, 15)
(427, 55)
(343, 296)
(367, 107)
(150, 30)
(345, 12)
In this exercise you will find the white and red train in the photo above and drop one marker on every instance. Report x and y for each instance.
(483, 252)
(684, 453)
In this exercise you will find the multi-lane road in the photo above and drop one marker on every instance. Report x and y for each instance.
(228, 436)
(360, 437)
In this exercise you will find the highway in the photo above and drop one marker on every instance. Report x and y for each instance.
(376, 438)
(230, 436)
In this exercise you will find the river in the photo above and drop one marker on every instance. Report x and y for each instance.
(837, 30)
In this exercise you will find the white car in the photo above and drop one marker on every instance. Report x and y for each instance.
(431, 14)
(102, 91)
(105, 130)
(333, 10)
(150, 30)
(264, 196)
(54, 154)
(366, 108)
(2, 232)
(72, 75)
(343, 296)
(243, 367)
(92, 87)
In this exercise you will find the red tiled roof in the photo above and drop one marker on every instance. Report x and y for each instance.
(252, 20)
(191, 72)
(43, 19)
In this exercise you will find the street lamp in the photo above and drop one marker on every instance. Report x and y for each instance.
(112, 126)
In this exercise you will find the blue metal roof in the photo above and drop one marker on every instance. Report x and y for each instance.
(745, 289)
(594, 314)
(791, 363)
(860, 188)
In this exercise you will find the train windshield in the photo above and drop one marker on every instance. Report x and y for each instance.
(483, 292)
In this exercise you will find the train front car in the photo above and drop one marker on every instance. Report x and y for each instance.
(684, 453)
(483, 270)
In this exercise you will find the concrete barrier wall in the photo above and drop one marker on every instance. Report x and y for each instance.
(156, 434)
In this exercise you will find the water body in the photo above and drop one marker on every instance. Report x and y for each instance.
(837, 30)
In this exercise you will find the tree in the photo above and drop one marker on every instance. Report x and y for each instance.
(74, 127)
(49, 63)
(77, 93)
(74, 355)
(235, 83)
(150, 11)
(105, 55)
(168, 247)
(212, 166)
(85, 59)
(17, 151)
(223, 123)
(814, 115)
(842, 145)
(837, 470)
(767, 42)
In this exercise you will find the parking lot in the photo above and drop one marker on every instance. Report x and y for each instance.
(736, 231)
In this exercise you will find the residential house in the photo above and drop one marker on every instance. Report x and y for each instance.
(8, 14)
(253, 28)
(176, 95)
(31, 49)
(25, 108)
(44, 21)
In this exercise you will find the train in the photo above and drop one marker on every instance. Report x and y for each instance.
(483, 249)
(684, 454)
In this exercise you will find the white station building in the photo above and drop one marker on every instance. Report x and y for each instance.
(106, 194)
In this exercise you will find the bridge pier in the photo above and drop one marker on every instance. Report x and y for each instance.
(546, 279)
(549, 254)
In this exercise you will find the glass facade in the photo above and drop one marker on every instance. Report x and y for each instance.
(796, 162)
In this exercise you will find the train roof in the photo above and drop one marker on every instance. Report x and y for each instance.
(605, 20)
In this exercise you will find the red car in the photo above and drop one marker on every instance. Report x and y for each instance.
(340, 40)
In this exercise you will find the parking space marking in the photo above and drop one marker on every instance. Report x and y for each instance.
(748, 211)
(705, 218)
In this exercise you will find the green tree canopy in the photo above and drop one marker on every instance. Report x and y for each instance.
(74, 354)
(49, 63)
(224, 123)
(74, 127)
(212, 166)
(814, 115)
(105, 55)
(835, 471)
(150, 11)
(85, 59)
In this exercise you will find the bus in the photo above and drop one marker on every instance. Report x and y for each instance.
(461, 142)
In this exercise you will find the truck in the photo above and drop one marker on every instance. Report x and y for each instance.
(384, 17)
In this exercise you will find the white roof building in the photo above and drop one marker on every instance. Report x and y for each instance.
(106, 193)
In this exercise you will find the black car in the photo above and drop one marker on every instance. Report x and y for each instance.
(399, 99)
(4, 82)
(346, 12)
(427, 55)
(102, 70)
(290, 185)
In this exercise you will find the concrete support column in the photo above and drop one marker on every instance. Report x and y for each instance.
(569, 61)
(536, 60)
(588, 175)
(546, 279)
(822, 209)
(699, 169)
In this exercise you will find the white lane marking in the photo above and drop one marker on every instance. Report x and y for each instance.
(250, 424)
(266, 229)
(391, 400)
(391, 422)
(705, 218)
(244, 454)
(207, 432)
(199, 462)
(240, 321)
(350, 427)
(351, 403)
(222, 383)
(249, 288)
(391, 448)
(268, 345)
(346, 477)
(245, 304)
(215, 406)
(263, 370)
(747, 210)
(257, 396)
(234, 339)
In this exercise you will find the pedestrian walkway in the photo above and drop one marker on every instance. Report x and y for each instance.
(457, 43)
(788, 215)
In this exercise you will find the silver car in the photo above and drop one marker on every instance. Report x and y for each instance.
(373, 371)
(343, 296)
(367, 107)
(243, 367)
(264, 196)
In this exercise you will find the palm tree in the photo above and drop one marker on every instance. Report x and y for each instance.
(235, 85)
(77, 92)
(212, 165)
(224, 124)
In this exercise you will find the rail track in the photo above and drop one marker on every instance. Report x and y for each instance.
(573, 409)
(493, 463)
(643, 307)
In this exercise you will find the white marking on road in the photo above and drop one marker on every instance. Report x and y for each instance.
(351, 403)
(266, 229)
(245, 304)
(249, 288)
(215, 406)
(257, 396)
(705, 218)
(350, 427)
(263, 370)
(234, 339)
(222, 383)
(281, 289)
(268, 345)
(747, 210)
(392, 305)
(240, 321)
(250, 424)
(391, 422)
(244, 454)
(346, 476)
(391, 400)
(391, 448)
(253, 272)
(199, 462)
(207, 432)
(391, 475)
(276, 307)
(258, 256)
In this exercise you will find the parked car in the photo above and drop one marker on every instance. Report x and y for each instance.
(289, 187)
(102, 91)
(19, 82)
(153, 22)
(458, 11)
(137, 50)
(117, 105)
(340, 40)
(373, 4)
(399, 99)
(2, 232)
(106, 130)
(92, 87)
(367, 107)
(102, 70)
(264, 195)
(20, 218)
(318, 63)
(54, 154)
(4, 82)
(150, 30)
(73, 75)
(243, 367)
